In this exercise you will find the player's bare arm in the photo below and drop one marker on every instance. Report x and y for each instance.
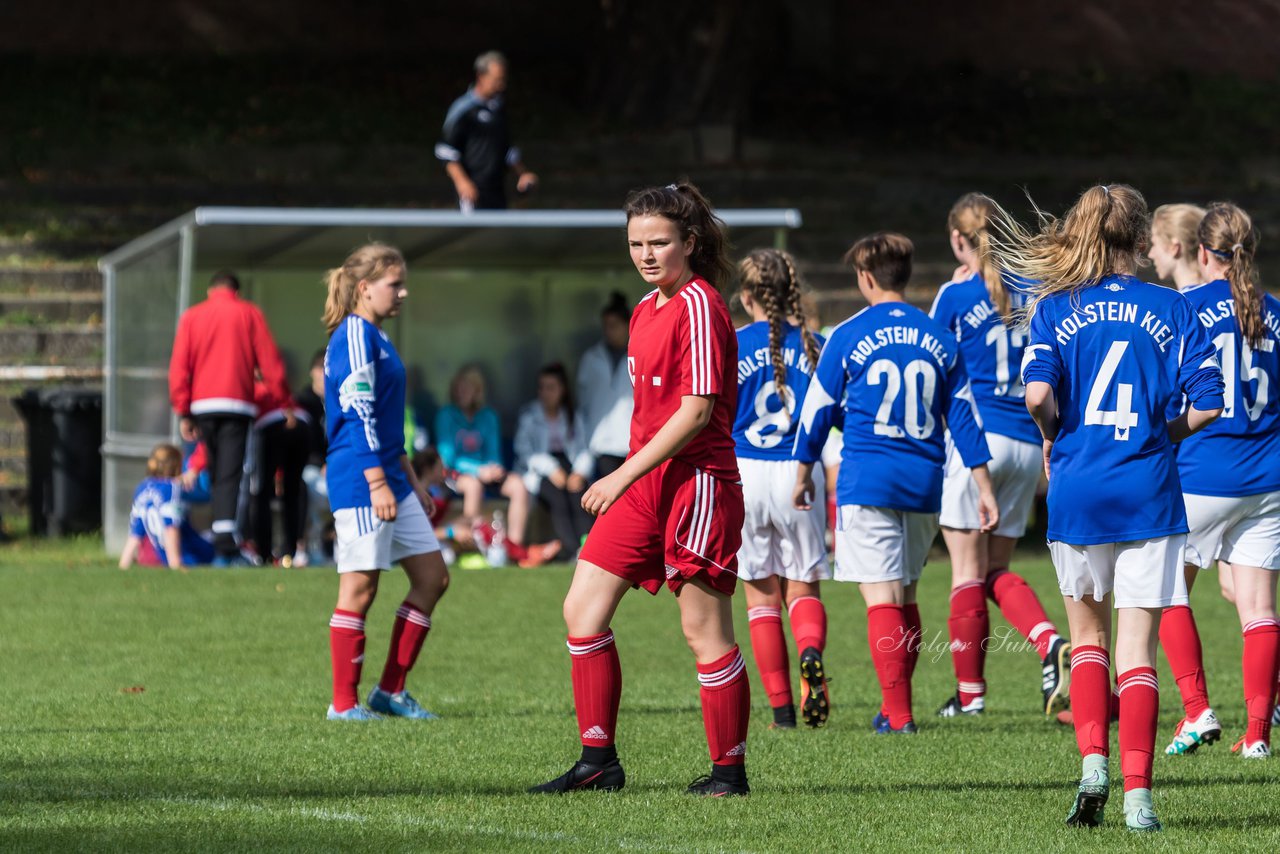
(687, 422)
(1043, 407)
(1191, 422)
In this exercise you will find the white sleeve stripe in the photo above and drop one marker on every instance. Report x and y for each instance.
(447, 153)
(693, 342)
(699, 338)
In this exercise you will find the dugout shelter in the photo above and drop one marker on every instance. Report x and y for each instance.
(509, 290)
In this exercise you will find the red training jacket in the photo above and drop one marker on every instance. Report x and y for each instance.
(219, 343)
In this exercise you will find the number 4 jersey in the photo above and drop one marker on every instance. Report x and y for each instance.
(765, 427)
(902, 382)
(1117, 354)
(1239, 454)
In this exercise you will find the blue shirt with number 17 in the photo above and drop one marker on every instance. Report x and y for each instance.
(1116, 354)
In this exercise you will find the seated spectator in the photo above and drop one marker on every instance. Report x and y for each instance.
(469, 444)
(604, 389)
(282, 447)
(158, 519)
(195, 472)
(552, 456)
(455, 537)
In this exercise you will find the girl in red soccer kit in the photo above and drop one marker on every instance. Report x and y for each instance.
(673, 511)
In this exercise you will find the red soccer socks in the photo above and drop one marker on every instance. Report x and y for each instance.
(887, 637)
(726, 707)
(1260, 660)
(769, 645)
(1021, 607)
(1091, 699)
(808, 623)
(1181, 642)
(346, 651)
(407, 635)
(915, 635)
(597, 687)
(1139, 708)
(969, 626)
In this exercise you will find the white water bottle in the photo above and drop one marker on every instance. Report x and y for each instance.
(496, 553)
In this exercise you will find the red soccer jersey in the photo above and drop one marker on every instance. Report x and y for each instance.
(685, 346)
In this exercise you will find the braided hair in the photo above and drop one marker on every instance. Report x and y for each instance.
(770, 276)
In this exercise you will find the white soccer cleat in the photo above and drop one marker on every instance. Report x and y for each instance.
(1252, 750)
(1189, 735)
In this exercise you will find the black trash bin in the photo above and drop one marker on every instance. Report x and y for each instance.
(64, 459)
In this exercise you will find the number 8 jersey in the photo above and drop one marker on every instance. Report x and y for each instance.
(765, 428)
(902, 382)
(1117, 354)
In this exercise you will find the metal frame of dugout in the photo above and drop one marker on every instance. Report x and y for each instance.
(510, 290)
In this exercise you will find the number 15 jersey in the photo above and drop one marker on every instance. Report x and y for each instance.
(1116, 354)
(902, 382)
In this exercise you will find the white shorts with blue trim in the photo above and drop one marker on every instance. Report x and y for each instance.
(366, 542)
(1244, 530)
(1141, 573)
(778, 539)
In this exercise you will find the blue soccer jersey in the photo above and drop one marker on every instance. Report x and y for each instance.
(1239, 454)
(903, 382)
(1117, 354)
(364, 412)
(765, 429)
(992, 353)
(157, 505)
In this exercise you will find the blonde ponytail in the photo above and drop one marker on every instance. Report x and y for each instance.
(970, 216)
(342, 284)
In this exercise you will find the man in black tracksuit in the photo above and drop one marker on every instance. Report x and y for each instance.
(476, 148)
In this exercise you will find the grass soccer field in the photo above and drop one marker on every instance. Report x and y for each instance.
(150, 710)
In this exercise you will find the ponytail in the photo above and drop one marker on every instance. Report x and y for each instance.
(684, 205)
(970, 216)
(1228, 234)
(1103, 233)
(342, 284)
(770, 276)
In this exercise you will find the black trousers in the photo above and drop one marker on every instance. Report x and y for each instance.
(570, 522)
(607, 465)
(225, 435)
(280, 450)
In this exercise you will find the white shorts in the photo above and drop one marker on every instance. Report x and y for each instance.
(879, 544)
(778, 539)
(1015, 473)
(1141, 573)
(1243, 530)
(366, 542)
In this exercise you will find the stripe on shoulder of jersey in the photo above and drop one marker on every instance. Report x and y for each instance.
(699, 341)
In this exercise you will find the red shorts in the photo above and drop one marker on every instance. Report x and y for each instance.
(674, 523)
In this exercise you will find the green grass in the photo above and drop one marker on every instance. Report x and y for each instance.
(226, 747)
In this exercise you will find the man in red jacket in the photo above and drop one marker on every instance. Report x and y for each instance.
(219, 344)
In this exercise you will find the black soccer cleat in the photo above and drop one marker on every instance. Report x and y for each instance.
(954, 709)
(815, 705)
(585, 776)
(1053, 687)
(709, 787)
(784, 717)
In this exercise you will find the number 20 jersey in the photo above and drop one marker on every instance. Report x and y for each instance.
(764, 428)
(1239, 454)
(902, 382)
(1117, 354)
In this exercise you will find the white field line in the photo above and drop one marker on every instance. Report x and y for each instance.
(224, 805)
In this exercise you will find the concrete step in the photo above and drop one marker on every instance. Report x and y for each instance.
(56, 344)
(41, 308)
(79, 280)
